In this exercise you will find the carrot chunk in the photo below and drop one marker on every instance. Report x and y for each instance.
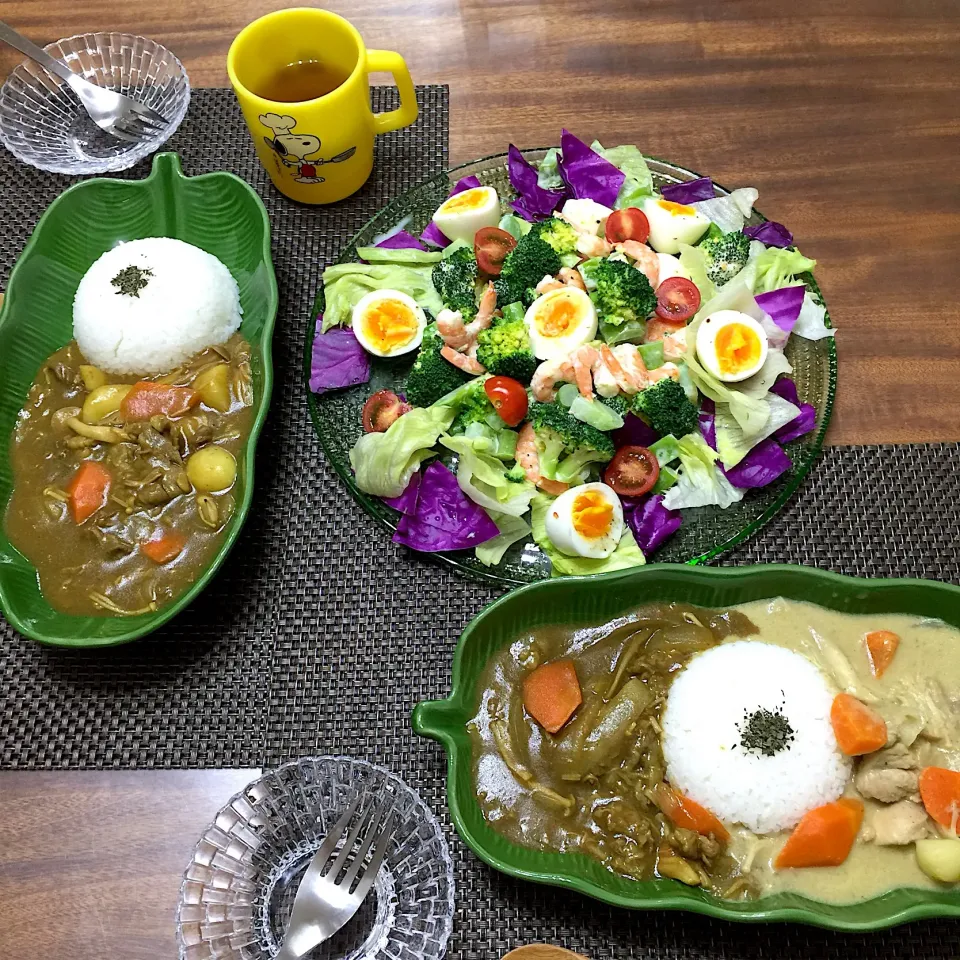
(147, 399)
(857, 727)
(881, 646)
(940, 792)
(687, 813)
(824, 837)
(551, 694)
(88, 490)
(165, 547)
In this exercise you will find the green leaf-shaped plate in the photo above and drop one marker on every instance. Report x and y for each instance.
(579, 601)
(217, 212)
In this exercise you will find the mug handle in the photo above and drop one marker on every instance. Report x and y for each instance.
(386, 61)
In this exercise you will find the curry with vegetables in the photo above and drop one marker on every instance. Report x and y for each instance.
(568, 751)
(123, 486)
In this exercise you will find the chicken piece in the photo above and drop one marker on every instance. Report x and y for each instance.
(889, 775)
(900, 823)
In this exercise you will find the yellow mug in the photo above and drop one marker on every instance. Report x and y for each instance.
(318, 150)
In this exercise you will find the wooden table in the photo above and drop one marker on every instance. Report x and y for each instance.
(845, 116)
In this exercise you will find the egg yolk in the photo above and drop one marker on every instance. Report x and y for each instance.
(737, 348)
(557, 317)
(389, 324)
(592, 514)
(677, 209)
(468, 200)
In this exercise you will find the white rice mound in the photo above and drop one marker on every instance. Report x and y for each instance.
(190, 302)
(707, 705)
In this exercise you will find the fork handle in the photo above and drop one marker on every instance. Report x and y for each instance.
(21, 43)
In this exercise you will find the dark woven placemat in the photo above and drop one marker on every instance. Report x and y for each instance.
(320, 635)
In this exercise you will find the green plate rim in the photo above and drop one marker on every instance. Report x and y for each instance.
(386, 518)
(167, 163)
(435, 719)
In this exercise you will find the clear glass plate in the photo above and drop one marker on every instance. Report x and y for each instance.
(706, 533)
(238, 890)
(44, 124)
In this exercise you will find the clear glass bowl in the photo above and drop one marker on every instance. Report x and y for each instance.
(238, 890)
(43, 123)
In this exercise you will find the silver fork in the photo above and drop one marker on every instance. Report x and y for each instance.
(323, 905)
(117, 114)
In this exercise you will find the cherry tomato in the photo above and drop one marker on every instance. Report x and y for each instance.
(491, 246)
(381, 410)
(627, 224)
(677, 299)
(509, 399)
(632, 472)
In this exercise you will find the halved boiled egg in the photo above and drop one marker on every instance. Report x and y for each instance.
(560, 321)
(459, 217)
(672, 224)
(731, 345)
(670, 266)
(586, 521)
(388, 323)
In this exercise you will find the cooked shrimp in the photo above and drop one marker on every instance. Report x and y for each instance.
(462, 361)
(488, 304)
(646, 260)
(543, 385)
(583, 359)
(607, 358)
(451, 327)
(675, 344)
(459, 335)
(571, 278)
(590, 246)
(529, 459)
(547, 284)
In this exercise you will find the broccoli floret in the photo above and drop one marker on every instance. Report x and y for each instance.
(623, 293)
(566, 445)
(504, 349)
(516, 474)
(666, 407)
(726, 256)
(473, 406)
(431, 376)
(455, 279)
(618, 403)
(559, 234)
(526, 265)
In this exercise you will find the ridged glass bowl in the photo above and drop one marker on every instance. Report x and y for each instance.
(707, 532)
(238, 890)
(43, 123)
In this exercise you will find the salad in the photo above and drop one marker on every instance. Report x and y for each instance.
(584, 367)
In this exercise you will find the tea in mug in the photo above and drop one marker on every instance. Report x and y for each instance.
(302, 80)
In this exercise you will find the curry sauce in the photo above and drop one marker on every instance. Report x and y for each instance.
(98, 566)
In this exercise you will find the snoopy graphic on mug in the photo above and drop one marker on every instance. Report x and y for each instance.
(297, 151)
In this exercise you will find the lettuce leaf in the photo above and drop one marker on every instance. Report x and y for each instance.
(729, 213)
(733, 445)
(548, 173)
(512, 530)
(345, 283)
(483, 478)
(751, 413)
(701, 482)
(384, 463)
(694, 261)
(406, 255)
(631, 162)
(812, 320)
(627, 554)
(775, 268)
